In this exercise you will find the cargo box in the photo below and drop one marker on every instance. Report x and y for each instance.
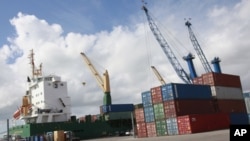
(185, 91)
(202, 122)
(220, 92)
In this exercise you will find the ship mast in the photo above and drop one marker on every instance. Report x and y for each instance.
(35, 72)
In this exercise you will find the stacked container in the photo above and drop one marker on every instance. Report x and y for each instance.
(185, 100)
(159, 113)
(213, 102)
(140, 123)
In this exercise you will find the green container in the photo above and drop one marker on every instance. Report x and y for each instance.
(159, 111)
(161, 128)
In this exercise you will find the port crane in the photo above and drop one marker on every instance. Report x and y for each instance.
(103, 82)
(197, 48)
(166, 48)
(158, 75)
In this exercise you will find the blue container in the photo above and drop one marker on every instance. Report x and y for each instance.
(239, 119)
(172, 126)
(173, 91)
(146, 98)
(149, 114)
(118, 108)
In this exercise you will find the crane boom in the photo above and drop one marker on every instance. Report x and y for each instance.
(93, 71)
(102, 82)
(166, 48)
(158, 75)
(197, 48)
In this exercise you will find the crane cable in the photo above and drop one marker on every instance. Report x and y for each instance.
(149, 48)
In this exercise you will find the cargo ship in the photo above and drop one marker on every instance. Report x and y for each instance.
(46, 107)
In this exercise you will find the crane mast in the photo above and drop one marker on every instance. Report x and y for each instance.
(103, 82)
(197, 48)
(166, 48)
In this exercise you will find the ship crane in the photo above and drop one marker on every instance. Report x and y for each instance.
(166, 48)
(103, 82)
(158, 75)
(197, 48)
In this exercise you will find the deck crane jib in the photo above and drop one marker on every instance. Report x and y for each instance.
(197, 48)
(166, 48)
(103, 82)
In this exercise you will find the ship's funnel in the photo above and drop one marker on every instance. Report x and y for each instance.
(216, 63)
(189, 58)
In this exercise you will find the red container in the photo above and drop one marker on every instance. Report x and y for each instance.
(156, 95)
(139, 115)
(202, 122)
(151, 129)
(230, 106)
(174, 108)
(219, 79)
(198, 80)
(141, 130)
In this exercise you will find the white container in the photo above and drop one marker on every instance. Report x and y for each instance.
(247, 102)
(220, 92)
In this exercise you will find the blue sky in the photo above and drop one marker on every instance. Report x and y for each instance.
(115, 34)
(84, 16)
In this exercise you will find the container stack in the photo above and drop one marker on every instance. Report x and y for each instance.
(174, 109)
(183, 102)
(227, 93)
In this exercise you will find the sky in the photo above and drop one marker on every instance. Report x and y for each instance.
(115, 36)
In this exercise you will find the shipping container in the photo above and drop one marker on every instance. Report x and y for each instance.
(156, 95)
(159, 111)
(198, 81)
(220, 79)
(137, 106)
(151, 130)
(161, 127)
(118, 115)
(172, 126)
(174, 108)
(239, 119)
(247, 103)
(230, 105)
(185, 91)
(141, 130)
(202, 122)
(146, 98)
(220, 92)
(117, 108)
(149, 114)
(139, 115)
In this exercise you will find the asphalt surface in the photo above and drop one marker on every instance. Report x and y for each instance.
(220, 135)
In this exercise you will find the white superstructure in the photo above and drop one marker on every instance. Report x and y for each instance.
(46, 99)
(49, 99)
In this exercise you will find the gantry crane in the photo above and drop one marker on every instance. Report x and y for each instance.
(103, 82)
(158, 75)
(166, 48)
(197, 48)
